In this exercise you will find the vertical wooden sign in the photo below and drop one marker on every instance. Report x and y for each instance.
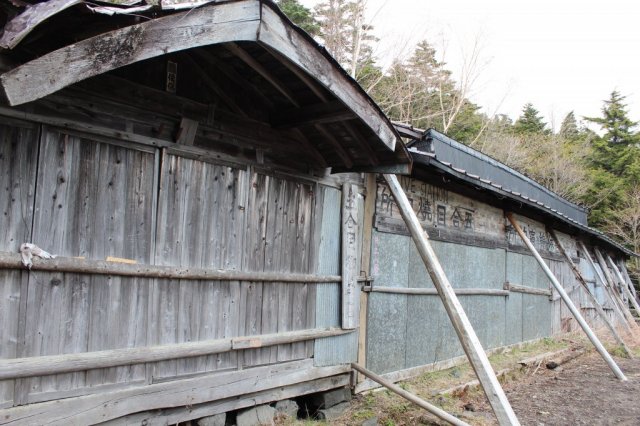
(350, 290)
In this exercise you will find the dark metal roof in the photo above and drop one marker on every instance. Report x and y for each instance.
(477, 163)
(437, 152)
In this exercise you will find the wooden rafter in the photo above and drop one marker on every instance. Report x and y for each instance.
(264, 72)
(344, 155)
(313, 114)
(233, 75)
(214, 86)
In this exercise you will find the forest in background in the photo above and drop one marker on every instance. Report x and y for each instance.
(600, 171)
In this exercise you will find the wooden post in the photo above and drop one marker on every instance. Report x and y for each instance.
(618, 307)
(350, 272)
(591, 297)
(613, 286)
(409, 396)
(627, 278)
(624, 285)
(567, 300)
(365, 265)
(467, 336)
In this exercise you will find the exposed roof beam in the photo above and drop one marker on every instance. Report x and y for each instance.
(313, 114)
(228, 71)
(96, 55)
(265, 73)
(214, 86)
(344, 155)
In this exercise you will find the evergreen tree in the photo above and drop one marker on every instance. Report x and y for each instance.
(617, 126)
(300, 15)
(614, 162)
(569, 128)
(530, 121)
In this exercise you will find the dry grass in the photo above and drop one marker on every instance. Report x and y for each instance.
(392, 410)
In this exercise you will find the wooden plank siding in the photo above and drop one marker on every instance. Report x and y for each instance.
(99, 198)
(93, 200)
(18, 160)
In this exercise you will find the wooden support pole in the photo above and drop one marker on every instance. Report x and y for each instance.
(467, 336)
(16, 368)
(101, 267)
(434, 292)
(625, 273)
(591, 297)
(410, 397)
(617, 306)
(624, 285)
(613, 286)
(567, 300)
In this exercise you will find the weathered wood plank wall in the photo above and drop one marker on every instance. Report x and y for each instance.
(18, 161)
(100, 197)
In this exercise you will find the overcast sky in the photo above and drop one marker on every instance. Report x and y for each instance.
(560, 55)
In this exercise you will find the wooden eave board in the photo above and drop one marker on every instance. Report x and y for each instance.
(248, 21)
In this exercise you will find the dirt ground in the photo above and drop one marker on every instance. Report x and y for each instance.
(582, 391)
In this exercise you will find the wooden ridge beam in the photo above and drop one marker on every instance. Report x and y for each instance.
(567, 300)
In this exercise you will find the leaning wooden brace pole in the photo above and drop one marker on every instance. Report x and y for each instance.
(591, 297)
(612, 284)
(624, 285)
(567, 300)
(468, 338)
(620, 309)
(411, 397)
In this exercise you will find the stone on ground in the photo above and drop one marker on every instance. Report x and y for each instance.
(257, 416)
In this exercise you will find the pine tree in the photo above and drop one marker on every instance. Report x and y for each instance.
(300, 15)
(530, 121)
(569, 128)
(615, 122)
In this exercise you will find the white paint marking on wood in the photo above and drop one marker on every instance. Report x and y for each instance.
(350, 291)
(468, 338)
(567, 300)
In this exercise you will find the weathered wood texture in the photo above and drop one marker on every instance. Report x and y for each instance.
(18, 159)
(98, 198)
(110, 405)
(102, 53)
(93, 200)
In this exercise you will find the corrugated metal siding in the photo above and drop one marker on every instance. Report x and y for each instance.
(339, 349)
(463, 157)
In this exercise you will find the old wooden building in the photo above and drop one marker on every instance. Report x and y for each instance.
(213, 185)
(460, 197)
(178, 162)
